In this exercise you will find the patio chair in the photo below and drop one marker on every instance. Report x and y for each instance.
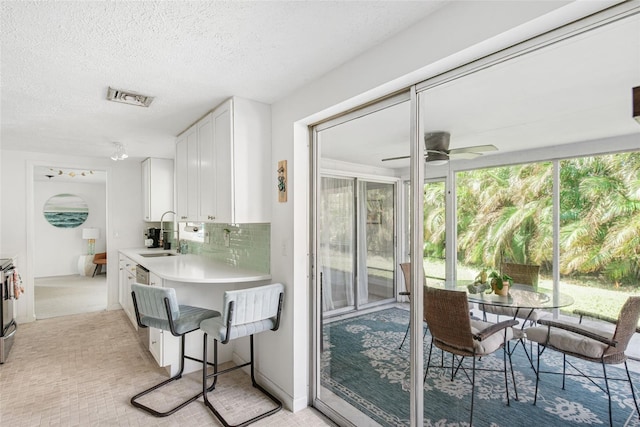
(523, 274)
(453, 331)
(590, 343)
(406, 274)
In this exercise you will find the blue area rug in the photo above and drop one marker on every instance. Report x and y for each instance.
(361, 363)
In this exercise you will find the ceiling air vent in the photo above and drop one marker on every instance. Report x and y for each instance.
(128, 97)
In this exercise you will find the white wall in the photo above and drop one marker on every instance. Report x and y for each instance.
(124, 224)
(57, 249)
(454, 35)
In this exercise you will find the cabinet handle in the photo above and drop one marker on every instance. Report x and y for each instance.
(183, 217)
(211, 217)
(153, 342)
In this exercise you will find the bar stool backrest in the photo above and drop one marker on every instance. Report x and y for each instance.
(150, 300)
(252, 304)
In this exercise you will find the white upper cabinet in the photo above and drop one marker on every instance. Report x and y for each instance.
(226, 180)
(157, 187)
(206, 164)
(187, 175)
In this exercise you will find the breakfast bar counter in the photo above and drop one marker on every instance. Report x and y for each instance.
(198, 281)
(189, 268)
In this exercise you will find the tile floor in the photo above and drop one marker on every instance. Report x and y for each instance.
(82, 369)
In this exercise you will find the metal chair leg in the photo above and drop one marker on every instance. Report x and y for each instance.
(606, 384)
(633, 393)
(217, 373)
(152, 411)
(407, 333)
(405, 337)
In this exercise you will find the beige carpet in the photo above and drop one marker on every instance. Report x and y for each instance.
(82, 370)
(65, 295)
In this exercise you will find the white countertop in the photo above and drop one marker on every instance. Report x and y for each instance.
(192, 268)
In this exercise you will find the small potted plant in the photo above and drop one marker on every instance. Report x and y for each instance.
(500, 283)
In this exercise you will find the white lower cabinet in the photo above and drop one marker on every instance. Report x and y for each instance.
(127, 276)
(155, 344)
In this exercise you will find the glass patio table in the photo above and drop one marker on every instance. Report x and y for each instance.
(523, 298)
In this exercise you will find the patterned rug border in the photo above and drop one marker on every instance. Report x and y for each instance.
(362, 355)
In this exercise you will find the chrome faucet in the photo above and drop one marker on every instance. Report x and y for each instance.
(161, 243)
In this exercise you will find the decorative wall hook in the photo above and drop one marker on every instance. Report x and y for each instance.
(282, 181)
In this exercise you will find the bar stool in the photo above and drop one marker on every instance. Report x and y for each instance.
(246, 312)
(158, 308)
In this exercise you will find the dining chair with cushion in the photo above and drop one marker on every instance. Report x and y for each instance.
(591, 343)
(523, 274)
(454, 331)
(158, 307)
(246, 312)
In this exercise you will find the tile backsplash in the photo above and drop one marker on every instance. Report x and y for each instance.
(249, 245)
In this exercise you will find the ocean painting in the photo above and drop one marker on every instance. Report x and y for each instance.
(66, 211)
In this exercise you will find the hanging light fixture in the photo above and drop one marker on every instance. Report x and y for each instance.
(120, 153)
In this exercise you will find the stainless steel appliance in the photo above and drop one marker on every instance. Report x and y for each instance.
(142, 277)
(8, 327)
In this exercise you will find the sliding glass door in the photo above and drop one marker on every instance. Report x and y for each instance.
(358, 326)
(356, 243)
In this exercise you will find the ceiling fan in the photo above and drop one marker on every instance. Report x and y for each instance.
(436, 147)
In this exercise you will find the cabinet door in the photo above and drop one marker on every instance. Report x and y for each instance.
(208, 186)
(155, 344)
(157, 187)
(224, 162)
(186, 167)
(127, 277)
(122, 280)
(156, 336)
(146, 189)
(253, 176)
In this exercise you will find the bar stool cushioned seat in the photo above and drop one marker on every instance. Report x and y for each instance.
(157, 307)
(246, 312)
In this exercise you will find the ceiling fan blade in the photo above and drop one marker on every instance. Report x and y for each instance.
(395, 158)
(474, 149)
(464, 155)
(432, 154)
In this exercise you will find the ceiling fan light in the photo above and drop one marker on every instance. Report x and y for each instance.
(435, 158)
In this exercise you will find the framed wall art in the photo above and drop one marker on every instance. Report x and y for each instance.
(66, 211)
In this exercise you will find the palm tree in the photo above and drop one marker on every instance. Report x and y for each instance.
(506, 212)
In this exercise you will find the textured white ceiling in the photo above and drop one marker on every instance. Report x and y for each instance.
(572, 91)
(58, 58)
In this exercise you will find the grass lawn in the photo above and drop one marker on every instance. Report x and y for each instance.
(588, 296)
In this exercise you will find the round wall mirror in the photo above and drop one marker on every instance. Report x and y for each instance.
(66, 211)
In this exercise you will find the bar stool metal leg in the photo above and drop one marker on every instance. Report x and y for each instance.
(158, 307)
(217, 373)
(247, 312)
